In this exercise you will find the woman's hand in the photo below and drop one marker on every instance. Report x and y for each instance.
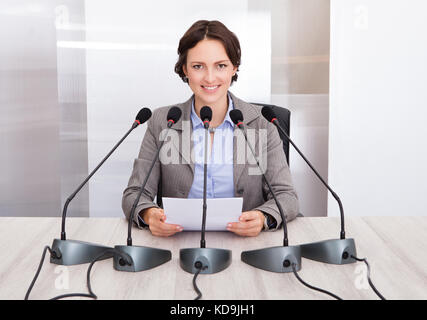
(250, 224)
(155, 218)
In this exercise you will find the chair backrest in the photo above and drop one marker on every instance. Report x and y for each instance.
(284, 117)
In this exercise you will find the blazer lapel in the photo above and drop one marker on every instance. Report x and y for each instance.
(240, 152)
(184, 144)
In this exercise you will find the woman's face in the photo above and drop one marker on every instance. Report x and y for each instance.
(209, 71)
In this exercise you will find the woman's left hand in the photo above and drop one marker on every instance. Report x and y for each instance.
(250, 224)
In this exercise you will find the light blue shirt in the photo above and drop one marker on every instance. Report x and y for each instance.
(220, 181)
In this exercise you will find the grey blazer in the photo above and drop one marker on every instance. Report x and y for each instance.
(177, 174)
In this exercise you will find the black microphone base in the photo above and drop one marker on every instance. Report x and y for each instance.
(274, 259)
(143, 258)
(333, 251)
(215, 260)
(72, 252)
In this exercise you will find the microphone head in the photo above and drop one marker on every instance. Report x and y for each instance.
(174, 114)
(206, 113)
(268, 113)
(236, 116)
(143, 115)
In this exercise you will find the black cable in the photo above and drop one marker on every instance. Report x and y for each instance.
(199, 293)
(108, 252)
(38, 270)
(312, 287)
(199, 267)
(369, 277)
(91, 294)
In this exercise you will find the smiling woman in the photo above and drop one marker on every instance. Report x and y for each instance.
(214, 30)
(209, 78)
(209, 59)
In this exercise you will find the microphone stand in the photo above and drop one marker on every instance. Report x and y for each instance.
(71, 252)
(142, 258)
(204, 260)
(275, 259)
(333, 251)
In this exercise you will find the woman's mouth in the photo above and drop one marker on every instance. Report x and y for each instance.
(210, 89)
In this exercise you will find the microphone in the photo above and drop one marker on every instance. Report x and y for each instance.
(173, 116)
(237, 118)
(144, 258)
(143, 115)
(71, 252)
(204, 260)
(206, 116)
(336, 251)
(276, 259)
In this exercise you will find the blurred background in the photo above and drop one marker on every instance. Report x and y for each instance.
(74, 74)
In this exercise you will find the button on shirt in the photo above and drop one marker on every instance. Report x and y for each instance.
(220, 181)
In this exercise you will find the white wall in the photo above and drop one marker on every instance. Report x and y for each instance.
(378, 100)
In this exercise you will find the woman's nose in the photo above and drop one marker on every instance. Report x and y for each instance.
(209, 76)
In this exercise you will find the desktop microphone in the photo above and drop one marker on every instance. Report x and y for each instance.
(276, 259)
(204, 260)
(335, 251)
(206, 116)
(144, 258)
(72, 252)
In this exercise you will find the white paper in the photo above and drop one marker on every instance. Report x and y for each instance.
(188, 212)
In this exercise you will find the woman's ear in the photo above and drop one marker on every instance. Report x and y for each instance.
(184, 69)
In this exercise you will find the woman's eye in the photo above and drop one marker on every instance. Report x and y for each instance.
(197, 66)
(222, 66)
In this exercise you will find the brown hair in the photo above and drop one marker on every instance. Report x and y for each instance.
(204, 29)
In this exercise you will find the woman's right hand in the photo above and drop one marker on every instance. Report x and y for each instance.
(155, 218)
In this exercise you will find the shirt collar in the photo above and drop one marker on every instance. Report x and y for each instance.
(196, 121)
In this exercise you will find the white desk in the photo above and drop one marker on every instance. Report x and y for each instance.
(395, 247)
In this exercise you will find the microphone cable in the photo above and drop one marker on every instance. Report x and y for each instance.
(108, 252)
(53, 253)
(369, 277)
(312, 287)
(199, 266)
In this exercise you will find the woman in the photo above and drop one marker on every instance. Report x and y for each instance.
(209, 59)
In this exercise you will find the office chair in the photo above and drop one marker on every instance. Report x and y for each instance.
(284, 118)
